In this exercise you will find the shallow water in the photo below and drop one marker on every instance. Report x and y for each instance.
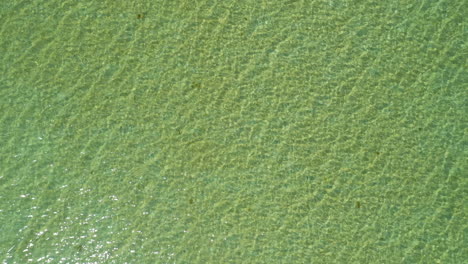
(228, 132)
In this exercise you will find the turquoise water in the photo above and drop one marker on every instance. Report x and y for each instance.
(233, 132)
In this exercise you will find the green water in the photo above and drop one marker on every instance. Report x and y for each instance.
(233, 131)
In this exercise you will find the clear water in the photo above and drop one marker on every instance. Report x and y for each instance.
(233, 132)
